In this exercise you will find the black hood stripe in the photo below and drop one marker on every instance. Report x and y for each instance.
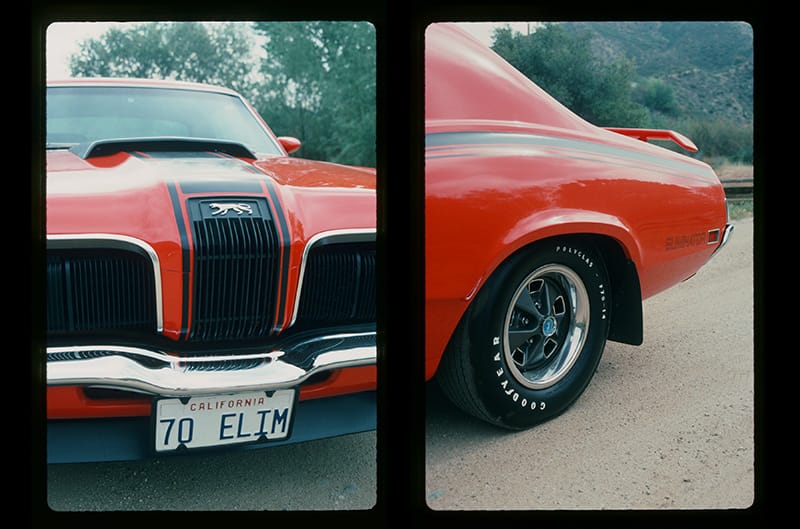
(286, 242)
(186, 254)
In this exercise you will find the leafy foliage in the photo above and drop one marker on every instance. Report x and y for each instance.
(181, 51)
(594, 69)
(708, 65)
(322, 87)
(719, 139)
(656, 95)
(562, 63)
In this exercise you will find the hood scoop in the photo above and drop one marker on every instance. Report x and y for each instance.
(162, 144)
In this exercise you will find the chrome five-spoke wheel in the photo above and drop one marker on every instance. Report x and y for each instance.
(546, 326)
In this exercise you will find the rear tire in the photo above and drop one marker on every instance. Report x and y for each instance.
(531, 341)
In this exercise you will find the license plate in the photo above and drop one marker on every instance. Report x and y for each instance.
(219, 420)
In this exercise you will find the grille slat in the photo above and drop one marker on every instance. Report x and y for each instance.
(339, 285)
(99, 291)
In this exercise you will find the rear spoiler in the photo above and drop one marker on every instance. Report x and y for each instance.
(657, 134)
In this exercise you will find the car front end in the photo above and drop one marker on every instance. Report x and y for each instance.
(201, 293)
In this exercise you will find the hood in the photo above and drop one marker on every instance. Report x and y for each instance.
(68, 173)
(144, 194)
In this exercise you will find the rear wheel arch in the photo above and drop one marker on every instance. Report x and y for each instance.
(626, 324)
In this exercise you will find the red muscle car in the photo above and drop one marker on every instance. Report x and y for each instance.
(543, 234)
(204, 289)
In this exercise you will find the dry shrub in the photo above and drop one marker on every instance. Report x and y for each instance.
(734, 171)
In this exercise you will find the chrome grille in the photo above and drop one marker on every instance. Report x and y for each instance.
(236, 271)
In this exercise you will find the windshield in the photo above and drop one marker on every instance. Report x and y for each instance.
(84, 114)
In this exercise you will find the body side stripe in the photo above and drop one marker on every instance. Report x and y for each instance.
(482, 143)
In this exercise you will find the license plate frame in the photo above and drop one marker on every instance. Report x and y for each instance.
(181, 424)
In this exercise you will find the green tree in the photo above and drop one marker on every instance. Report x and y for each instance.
(322, 87)
(220, 54)
(562, 63)
(657, 96)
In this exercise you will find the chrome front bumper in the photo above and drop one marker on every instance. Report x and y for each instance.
(158, 373)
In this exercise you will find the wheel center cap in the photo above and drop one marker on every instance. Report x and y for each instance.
(549, 326)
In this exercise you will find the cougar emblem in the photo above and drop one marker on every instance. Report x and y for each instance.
(222, 208)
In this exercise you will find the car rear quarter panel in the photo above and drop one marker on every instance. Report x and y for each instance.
(486, 200)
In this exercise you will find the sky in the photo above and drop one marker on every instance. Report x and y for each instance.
(63, 39)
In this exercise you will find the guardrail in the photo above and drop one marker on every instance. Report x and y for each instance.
(738, 188)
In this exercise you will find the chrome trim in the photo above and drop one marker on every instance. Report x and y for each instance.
(158, 373)
(115, 241)
(354, 235)
(726, 234)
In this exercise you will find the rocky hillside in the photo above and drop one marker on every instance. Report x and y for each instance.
(709, 65)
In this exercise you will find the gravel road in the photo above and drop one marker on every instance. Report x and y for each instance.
(666, 425)
(330, 474)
